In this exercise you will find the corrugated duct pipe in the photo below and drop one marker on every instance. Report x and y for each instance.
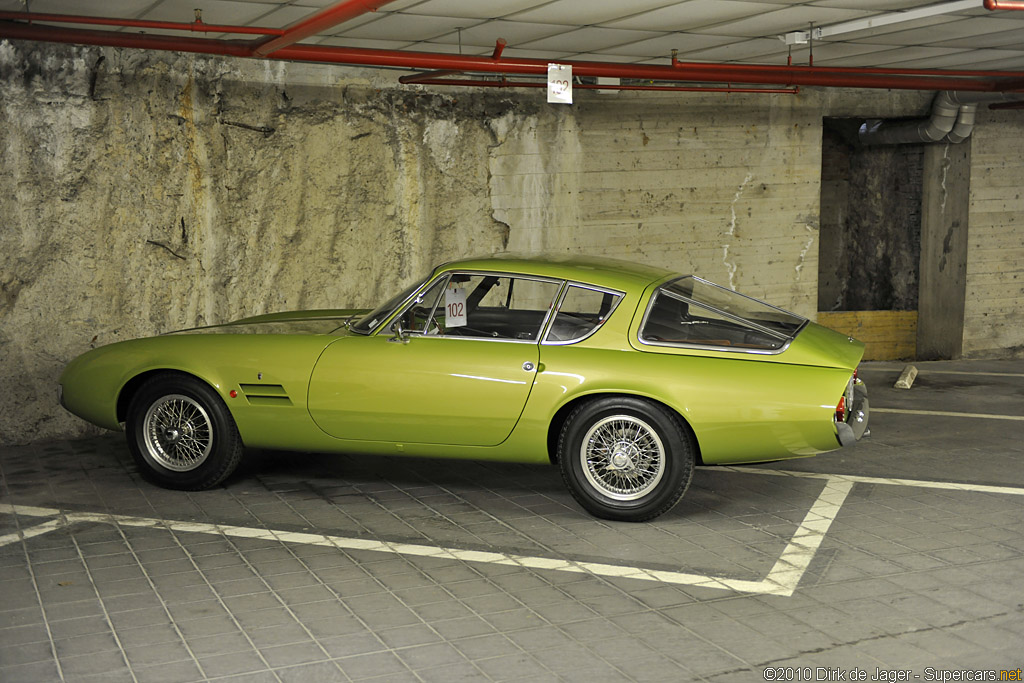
(951, 120)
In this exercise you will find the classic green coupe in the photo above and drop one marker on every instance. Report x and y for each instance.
(624, 375)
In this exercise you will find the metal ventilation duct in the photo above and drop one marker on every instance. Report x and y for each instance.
(951, 120)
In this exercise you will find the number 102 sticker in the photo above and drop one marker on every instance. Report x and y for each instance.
(455, 307)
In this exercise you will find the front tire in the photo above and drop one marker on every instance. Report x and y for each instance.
(625, 459)
(181, 434)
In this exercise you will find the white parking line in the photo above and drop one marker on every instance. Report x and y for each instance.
(782, 579)
(31, 531)
(941, 413)
(856, 479)
(964, 372)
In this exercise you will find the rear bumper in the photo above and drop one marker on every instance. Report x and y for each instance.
(855, 426)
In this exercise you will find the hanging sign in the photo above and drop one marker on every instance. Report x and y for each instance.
(455, 307)
(560, 83)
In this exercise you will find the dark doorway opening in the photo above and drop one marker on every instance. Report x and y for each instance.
(870, 249)
(870, 222)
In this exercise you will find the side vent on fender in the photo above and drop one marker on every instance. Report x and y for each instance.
(265, 394)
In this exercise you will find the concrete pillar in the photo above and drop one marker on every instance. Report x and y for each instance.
(943, 271)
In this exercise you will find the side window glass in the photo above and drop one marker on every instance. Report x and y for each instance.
(416, 319)
(494, 306)
(673, 320)
(583, 310)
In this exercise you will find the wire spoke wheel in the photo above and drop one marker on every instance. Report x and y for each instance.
(177, 433)
(623, 457)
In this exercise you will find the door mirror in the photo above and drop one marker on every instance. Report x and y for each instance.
(400, 335)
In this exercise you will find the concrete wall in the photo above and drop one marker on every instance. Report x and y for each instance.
(143, 192)
(994, 310)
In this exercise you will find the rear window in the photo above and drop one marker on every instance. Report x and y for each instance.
(694, 312)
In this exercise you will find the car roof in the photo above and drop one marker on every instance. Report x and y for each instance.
(603, 272)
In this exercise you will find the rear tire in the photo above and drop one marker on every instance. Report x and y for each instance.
(625, 459)
(181, 434)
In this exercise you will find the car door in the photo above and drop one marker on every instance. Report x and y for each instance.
(461, 378)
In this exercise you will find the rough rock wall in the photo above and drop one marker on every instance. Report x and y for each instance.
(144, 192)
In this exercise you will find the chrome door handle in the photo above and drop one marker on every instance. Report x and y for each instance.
(528, 366)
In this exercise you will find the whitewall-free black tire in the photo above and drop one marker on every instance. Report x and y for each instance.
(181, 434)
(625, 459)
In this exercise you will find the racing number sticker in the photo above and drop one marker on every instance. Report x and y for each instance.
(455, 307)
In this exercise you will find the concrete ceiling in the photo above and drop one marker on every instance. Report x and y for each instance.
(622, 31)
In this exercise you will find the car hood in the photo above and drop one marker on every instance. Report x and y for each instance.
(331, 321)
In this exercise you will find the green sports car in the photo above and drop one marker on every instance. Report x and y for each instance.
(624, 375)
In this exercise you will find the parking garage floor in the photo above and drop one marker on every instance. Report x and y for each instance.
(899, 559)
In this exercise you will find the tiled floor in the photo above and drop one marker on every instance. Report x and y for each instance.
(332, 568)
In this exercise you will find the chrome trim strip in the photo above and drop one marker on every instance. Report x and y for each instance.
(556, 305)
(400, 307)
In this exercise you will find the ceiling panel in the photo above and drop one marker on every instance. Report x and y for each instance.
(92, 8)
(747, 50)
(663, 45)
(1008, 64)
(869, 5)
(835, 53)
(567, 12)
(689, 15)
(214, 11)
(784, 20)
(362, 43)
(950, 29)
(282, 16)
(987, 40)
(517, 33)
(899, 57)
(616, 30)
(964, 58)
(445, 48)
(411, 27)
(589, 39)
(491, 9)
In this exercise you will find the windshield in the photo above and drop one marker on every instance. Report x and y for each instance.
(367, 324)
(735, 304)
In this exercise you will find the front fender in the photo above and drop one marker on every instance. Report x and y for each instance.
(267, 372)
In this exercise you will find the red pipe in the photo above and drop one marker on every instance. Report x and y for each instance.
(596, 86)
(714, 73)
(683, 71)
(318, 22)
(1003, 4)
(141, 23)
(499, 47)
